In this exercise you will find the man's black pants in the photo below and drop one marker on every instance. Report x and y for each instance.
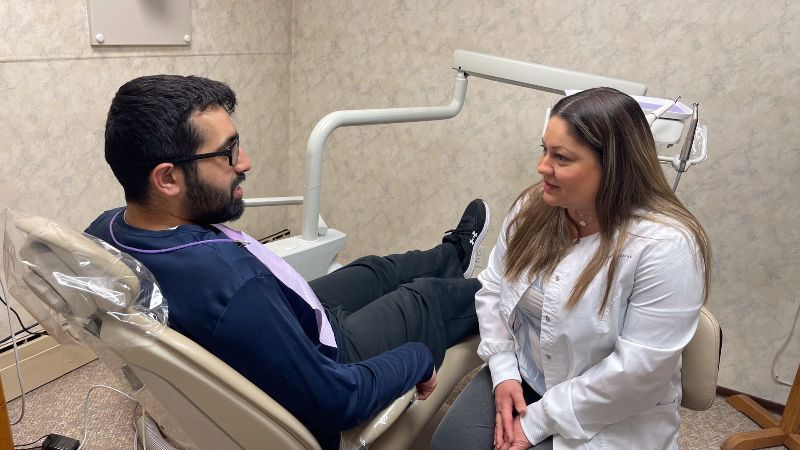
(379, 303)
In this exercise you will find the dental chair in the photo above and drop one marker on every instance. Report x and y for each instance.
(83, 290)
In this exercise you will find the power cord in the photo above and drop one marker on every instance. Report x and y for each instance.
(28, 448)
(150, 433)
(86, 424)
(86, 411)
(16, 353)
(28, 445)
(24, 329)
(783, 347)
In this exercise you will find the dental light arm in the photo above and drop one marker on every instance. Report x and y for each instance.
(334, 120)
(466, 63)
(273, 201)
(536, 76)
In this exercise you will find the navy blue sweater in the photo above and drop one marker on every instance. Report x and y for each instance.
(222, 297)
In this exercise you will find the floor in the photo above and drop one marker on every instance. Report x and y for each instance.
(57, 407)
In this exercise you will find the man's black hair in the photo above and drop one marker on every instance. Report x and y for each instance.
(149, 122)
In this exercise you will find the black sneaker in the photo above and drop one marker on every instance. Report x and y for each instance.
(469, 233)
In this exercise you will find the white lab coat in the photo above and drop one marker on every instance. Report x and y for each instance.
(613, 380)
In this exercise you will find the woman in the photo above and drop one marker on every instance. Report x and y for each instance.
(591, 292)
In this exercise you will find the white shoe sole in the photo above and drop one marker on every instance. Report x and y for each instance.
(478, 240)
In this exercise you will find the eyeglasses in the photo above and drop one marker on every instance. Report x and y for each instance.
(231, 151)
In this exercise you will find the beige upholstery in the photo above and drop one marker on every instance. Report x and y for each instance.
(212, 403)
(701, 364)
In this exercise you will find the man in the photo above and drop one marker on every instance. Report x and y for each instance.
(333, 351)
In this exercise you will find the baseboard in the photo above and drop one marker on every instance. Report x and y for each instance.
(41, 360)
(769, 405)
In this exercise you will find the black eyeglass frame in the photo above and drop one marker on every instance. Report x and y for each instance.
(228, 151)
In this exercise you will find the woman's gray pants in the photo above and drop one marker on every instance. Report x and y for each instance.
(469, 423)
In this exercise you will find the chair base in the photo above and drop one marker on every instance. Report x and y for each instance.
(769, 437)
(774, 433)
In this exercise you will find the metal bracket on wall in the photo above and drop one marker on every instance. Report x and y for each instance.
(140, 22)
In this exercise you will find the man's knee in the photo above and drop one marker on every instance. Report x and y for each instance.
(370, 261)
(447, 290)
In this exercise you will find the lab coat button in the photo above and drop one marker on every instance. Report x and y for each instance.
(547, 318)
(557, 278)
(546, 356)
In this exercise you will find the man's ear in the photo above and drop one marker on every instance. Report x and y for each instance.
(167, 179)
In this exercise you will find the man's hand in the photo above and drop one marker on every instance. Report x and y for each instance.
(520, 441)
(425, 389)
(507, 397)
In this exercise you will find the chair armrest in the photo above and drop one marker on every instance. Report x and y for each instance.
(459, 360)
(365, 434)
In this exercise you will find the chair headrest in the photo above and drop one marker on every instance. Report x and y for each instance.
(77, 250)
(46, 266)
(75, 275)
(86, 275)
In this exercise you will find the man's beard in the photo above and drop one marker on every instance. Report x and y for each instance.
(207, 204)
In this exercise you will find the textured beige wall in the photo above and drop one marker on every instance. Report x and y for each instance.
(55, 90)
(394, 187)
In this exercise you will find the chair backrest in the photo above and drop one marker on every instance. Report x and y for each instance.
(701, 364)
(95, 288)
(212, 403)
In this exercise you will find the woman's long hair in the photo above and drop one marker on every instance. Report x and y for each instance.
(613, 125)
